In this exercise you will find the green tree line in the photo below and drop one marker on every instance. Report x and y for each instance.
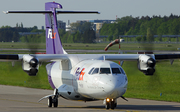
(80, 33)
(147, 26)
(9, 34)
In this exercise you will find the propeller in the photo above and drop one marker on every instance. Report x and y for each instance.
(153, 81)
(33, 49)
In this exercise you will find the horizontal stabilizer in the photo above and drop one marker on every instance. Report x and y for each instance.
(46, 12)
(76, 12)
(28, 12)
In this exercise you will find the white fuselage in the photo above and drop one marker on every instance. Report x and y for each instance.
(83, 82)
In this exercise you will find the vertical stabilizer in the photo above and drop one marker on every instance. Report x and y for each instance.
(53, 42)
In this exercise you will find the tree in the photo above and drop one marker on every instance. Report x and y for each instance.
(70, 39)
(89, 36)
(61, 32)
(15, 37)
(138, 38)
(77, 37)
(150, 36)
(116, 34)
(17, 25)
(143, 38)
(81, 26)
(21, 25)
(160, 38)
(143, 28)
(110, 37)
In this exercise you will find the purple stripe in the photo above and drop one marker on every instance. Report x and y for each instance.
(48, 68)
(51, 82)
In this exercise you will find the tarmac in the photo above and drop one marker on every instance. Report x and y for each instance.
(21, 99)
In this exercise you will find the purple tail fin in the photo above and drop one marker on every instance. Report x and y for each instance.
(53, 42)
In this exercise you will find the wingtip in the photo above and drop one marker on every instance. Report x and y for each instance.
(5, 12)
(99, 12)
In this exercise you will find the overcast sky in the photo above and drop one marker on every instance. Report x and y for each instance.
(108, 8)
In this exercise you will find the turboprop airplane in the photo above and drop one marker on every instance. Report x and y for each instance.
(85, 77)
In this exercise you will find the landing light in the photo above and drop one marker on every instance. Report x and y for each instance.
(107, 99)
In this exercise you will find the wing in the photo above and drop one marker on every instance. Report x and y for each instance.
(52, 57)
(146, 62)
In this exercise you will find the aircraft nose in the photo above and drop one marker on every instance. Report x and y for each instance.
(116, 86)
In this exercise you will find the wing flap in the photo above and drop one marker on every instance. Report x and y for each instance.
(121, 57)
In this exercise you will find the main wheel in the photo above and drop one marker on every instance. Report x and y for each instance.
(115, 105)
(55, 102)
(50, 101)
(112, 105)
(107, 105)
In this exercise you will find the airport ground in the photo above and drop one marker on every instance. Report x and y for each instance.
(21, 99)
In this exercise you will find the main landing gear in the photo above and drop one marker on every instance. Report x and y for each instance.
(53, 101)
(110, 103)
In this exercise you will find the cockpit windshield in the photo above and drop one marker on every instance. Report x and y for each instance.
(115, 71)
(122, 71)
(90, 71)
(105, 71)
(96, 71)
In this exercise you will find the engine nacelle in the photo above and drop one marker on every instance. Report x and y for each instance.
(146, 64)
(30, 65)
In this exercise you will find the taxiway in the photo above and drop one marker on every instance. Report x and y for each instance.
(21, 99)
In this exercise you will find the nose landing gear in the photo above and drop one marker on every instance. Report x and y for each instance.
(54, 100)
(110, 103)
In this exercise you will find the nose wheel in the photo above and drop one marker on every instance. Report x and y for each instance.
(53, 101)
(110, 103)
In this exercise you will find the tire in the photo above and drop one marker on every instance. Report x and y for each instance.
(50, 101)
(112, 104)
(107, 105)
(55, 102)
(115, 105)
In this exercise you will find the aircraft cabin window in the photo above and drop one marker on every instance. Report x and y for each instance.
(105, 71)
(90, 71)
(115, 71)
(96, 71)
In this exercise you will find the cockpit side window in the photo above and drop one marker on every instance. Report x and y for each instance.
(96, 71)
(115, 71)
(90, 71)
(105, 71)
(122, 71)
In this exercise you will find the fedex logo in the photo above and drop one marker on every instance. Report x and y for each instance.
(79, 73)
(51, 34)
